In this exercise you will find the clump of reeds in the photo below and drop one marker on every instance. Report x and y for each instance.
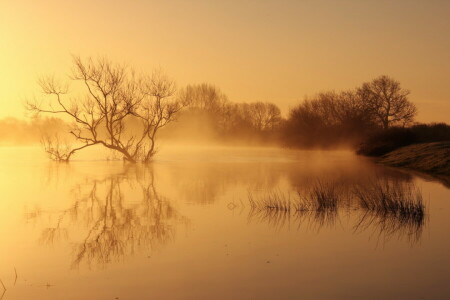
(273, 208)
(384, 205)
(320, 196)
(392, 207)
(275, 200)
(393, 197)
(318, 204)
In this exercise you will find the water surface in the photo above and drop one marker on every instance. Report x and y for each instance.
(183, 228)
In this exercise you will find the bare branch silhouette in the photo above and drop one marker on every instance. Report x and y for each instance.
(387, 101)
(120, 110)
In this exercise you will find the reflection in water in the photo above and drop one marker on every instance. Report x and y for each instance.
(113, 217)
(115, 225)
(316, 206)
(203, 183)
(391, 207)
(122, 213)
(96, 213)
(388, 207)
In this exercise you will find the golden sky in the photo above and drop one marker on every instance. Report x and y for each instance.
(255, 50)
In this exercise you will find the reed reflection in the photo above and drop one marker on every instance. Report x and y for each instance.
(385, 207)
(114, 217)
(391, 208)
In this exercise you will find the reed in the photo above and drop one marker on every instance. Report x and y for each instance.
(391, 207)
(317, 205)
(321, 196)
(275, 201)
(391, 197)
(385, 206)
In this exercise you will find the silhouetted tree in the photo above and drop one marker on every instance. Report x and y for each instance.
(327, 119)
(205, 97)
(207, 103)
(263, 116)
(227, 119)
(115, 96)
(387, 101)
(332, 118)
(56, 148)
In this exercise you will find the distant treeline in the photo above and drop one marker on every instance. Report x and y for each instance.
(211, 116)
(21, 132)
(372, 118)
(328, 119)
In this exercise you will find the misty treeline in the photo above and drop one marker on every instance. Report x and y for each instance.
(113, 106)
(212, 117)
(15, 131)
(327, 119)
(373, 118)
(124, 111)
(347, 117)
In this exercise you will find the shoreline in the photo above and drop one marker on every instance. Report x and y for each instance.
(429, 158)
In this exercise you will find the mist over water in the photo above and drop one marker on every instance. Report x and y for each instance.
(184, 227)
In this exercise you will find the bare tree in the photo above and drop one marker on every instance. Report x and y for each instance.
(227, 116)
(119, 110)
(56, 148)
(156, 111)
(387, 101)
(205, 97)
(209, 103)
(264, 116)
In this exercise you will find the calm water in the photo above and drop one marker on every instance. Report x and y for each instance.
(183, 228)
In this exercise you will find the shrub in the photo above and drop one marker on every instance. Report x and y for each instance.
(384, 141)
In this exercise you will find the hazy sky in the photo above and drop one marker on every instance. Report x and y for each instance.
(275, 51)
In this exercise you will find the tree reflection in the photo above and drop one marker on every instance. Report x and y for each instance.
(115, 217)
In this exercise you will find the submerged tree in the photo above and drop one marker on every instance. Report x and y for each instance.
(388, 101)
(119, 110)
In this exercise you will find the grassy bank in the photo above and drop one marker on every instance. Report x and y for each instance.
(422, 147)
(433, 158)
(382, 142)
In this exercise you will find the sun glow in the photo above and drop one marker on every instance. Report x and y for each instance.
(272, 51)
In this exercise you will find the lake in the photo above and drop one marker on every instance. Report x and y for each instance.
(218, 223)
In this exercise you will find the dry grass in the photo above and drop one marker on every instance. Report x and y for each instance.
(432, 158)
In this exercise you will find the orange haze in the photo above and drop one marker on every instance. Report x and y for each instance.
(276, 51)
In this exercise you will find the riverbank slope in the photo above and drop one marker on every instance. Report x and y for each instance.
(433, 158)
